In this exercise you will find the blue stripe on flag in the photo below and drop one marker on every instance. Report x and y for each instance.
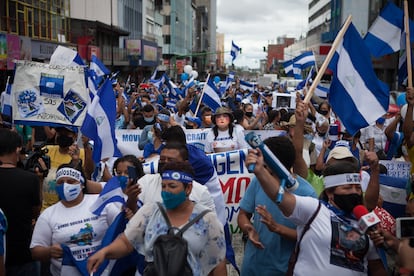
(210, 95)
(99, 124)
(356, 94)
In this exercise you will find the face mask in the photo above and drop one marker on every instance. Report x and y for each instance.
(249, 114)
(149, 119)
(324, 112)
(64, 141)
(381, 121)
(171, 201)
(122, 181)
(68, 192)
(321, 134)
(187, 126)
(347, 202)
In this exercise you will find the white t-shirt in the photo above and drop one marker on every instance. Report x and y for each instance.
(151, 191)
(75, 226)
(380, 139)
(224, 142)
(330, 247)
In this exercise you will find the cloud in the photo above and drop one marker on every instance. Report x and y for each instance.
(252, 24)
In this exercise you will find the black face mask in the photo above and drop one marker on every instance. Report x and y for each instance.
(249, 114)
(347, 202)
(324, 112)
(64, 141)
(321, 134)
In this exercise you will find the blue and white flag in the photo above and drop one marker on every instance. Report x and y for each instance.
(158, 82)
(210, 95)
(321, 91)
(97, 70)
(66, 56)
(305, 60)
(245, 85)
(6, 104)
(356, 94)
(172, 104)
(288, 65)
(297, 71)
(229, 80)
(99, 124)
(235, 50)
(174, 91)
(402, 63)
(306, 81)
(384, 35)
(111, 192)
(154, 75)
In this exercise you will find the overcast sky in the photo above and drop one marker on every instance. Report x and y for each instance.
(252, 24)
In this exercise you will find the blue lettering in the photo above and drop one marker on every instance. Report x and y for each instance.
(130, 137)
(232, 211)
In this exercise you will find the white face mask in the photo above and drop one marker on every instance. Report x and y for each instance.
(69, 192)
(149, 119)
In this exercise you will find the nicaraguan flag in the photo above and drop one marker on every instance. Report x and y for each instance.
(229, 80)
(288, 65)
(297, 71)
(356, 94)
(171, 104)
(305, 60)
(6, 104)
(402, 63)
(210, 95)
(158, 82)
(66, 56)
(306, 81)
(321, 91)
(154, 75)
(111, 192)
(235, 50)
(245, 85)
(174, 91)
(97, 70)
(384, 35)
(99, 124)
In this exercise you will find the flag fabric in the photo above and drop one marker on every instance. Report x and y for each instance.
(356, 94)
(321, 91)
(245, 85)
(66, 56)
(235, 50)
(210, 95)
(174, 91)
(172, 104)
(402, 62)
(97, 70)
(154, 75)
(384, 35)
(306, 81)
(229, 80)
(99, 124)
(288, 65)
(111, 192)
(297, 71)
(6, 104)
(158, 82)
(305, 60)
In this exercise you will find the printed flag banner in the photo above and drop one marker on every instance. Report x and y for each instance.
(44, 94)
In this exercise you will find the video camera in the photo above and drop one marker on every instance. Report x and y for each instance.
(32, 161)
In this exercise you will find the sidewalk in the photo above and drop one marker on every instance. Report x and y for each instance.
(238, 251)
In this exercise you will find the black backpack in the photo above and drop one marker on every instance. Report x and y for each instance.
(170, 250)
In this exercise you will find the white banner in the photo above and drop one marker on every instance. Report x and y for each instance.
(399, 169)
(231, 170)
(51, 94)
(128, 139)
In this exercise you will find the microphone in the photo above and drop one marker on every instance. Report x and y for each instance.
(366, 220)
(272, 161)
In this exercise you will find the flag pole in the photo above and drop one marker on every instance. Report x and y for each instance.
(328, 58)
(201, 97)
(408, 45)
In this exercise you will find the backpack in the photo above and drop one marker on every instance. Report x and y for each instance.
(170, 250)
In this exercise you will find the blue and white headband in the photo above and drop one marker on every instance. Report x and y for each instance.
(341, 179)
(175, 175)
(163, 117)
(71, 173)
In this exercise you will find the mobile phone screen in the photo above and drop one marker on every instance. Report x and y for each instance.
(132, 172)
(405, 228)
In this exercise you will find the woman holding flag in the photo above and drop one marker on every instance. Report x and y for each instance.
(69, 226)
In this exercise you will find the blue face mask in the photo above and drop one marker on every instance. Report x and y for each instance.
(381, 121)
(122, 181)
(68, 192)
(171, 201)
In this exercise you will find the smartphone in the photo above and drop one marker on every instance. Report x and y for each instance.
(405, 227)
(132, 173)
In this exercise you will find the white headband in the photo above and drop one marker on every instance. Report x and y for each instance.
(71, 173)
(341, 179)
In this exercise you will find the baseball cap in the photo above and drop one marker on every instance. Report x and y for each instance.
(340, 152)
